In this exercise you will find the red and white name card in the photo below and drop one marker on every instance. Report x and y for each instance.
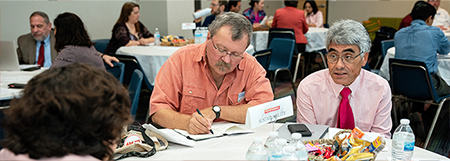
(268, 112)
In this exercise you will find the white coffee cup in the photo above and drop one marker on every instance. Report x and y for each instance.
(202, 13)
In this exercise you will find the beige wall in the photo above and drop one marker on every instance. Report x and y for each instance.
(99, 16)
(362, 10)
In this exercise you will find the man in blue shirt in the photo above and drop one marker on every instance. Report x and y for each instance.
(41, 36)
(422, 42)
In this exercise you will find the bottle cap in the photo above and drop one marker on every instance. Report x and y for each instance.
(296, 136)
(289, 148)
(257, 139)
(404, 121)
(273, 134)
(281, 142)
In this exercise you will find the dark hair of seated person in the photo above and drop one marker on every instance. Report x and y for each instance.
(291, 3)
(422, 10)
(313, 5)
(74, 109)
(70, 30)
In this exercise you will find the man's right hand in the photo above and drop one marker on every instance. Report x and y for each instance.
(198, 19)
(198, 124)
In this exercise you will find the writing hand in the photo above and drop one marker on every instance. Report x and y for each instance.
(198, 124)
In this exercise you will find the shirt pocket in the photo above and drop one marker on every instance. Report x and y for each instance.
(193, 98)
(233, 99)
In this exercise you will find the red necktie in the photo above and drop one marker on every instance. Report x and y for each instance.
(345, 115)
(41, 57)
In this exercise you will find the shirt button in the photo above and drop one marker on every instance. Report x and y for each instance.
(190, 92)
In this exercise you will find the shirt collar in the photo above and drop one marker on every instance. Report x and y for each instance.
(418, 21)
(47, 40)
(337, 88)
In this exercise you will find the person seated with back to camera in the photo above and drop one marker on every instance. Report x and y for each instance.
(74, 112)
(216, 77)
(73, 43)
(344, 96)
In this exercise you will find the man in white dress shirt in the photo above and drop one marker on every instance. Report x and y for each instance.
(442, 18)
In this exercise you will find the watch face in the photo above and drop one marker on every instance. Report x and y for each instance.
(216, 108)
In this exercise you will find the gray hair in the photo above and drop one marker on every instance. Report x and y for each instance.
(42, 14)
(349, 32)
(238, 23)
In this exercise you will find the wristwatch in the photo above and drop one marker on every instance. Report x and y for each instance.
(216, 110)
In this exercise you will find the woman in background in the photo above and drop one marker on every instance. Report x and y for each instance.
(255, 13)
(314, 17)
(128, 30)
(291, 17)
(73, 44)
(74, 112)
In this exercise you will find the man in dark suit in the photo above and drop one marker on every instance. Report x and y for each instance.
(217, 8)
(40, 40)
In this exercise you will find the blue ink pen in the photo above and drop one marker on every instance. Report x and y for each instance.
(198, 111)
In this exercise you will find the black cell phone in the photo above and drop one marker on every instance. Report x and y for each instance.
(299, 128)
(16, 85)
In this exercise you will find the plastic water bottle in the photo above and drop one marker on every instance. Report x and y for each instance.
(300, 148)
(290, 154)
(198, 35)
(157, 37)
(270, 142)
(278, 152)
(403, 141)
(204, 34)
(257, 150)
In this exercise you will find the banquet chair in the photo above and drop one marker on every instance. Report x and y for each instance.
(131, 63)
(283, 49)
(134, 90)
(117, 70)
(100, 44)
(289, 34)
(263, 57)
(411, 81)
(385, 45)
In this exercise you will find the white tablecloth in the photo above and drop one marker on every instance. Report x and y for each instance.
(443, 67)
(234, 147)
(315, 36)
(153, 57)
(7, 77)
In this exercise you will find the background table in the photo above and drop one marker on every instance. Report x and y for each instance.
(315, 36)
(153, 57)
(443, 66)
(234, 147)
(7, 77)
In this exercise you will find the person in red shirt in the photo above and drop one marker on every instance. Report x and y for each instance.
(291, 17)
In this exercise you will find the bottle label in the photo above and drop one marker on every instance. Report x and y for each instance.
(409, 146)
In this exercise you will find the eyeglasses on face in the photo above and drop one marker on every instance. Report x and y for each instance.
(223, 52)
(348, 58)
(212, 4)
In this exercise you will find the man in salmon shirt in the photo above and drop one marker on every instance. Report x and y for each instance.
(217, 77)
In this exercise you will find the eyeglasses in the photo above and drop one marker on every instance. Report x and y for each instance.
(333, 57)
(224, 52)
(212, 4)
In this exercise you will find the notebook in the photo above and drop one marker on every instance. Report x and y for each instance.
(318, 131)
(9, 60)
(220, 129)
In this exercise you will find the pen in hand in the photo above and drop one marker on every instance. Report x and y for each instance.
(198, 111)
